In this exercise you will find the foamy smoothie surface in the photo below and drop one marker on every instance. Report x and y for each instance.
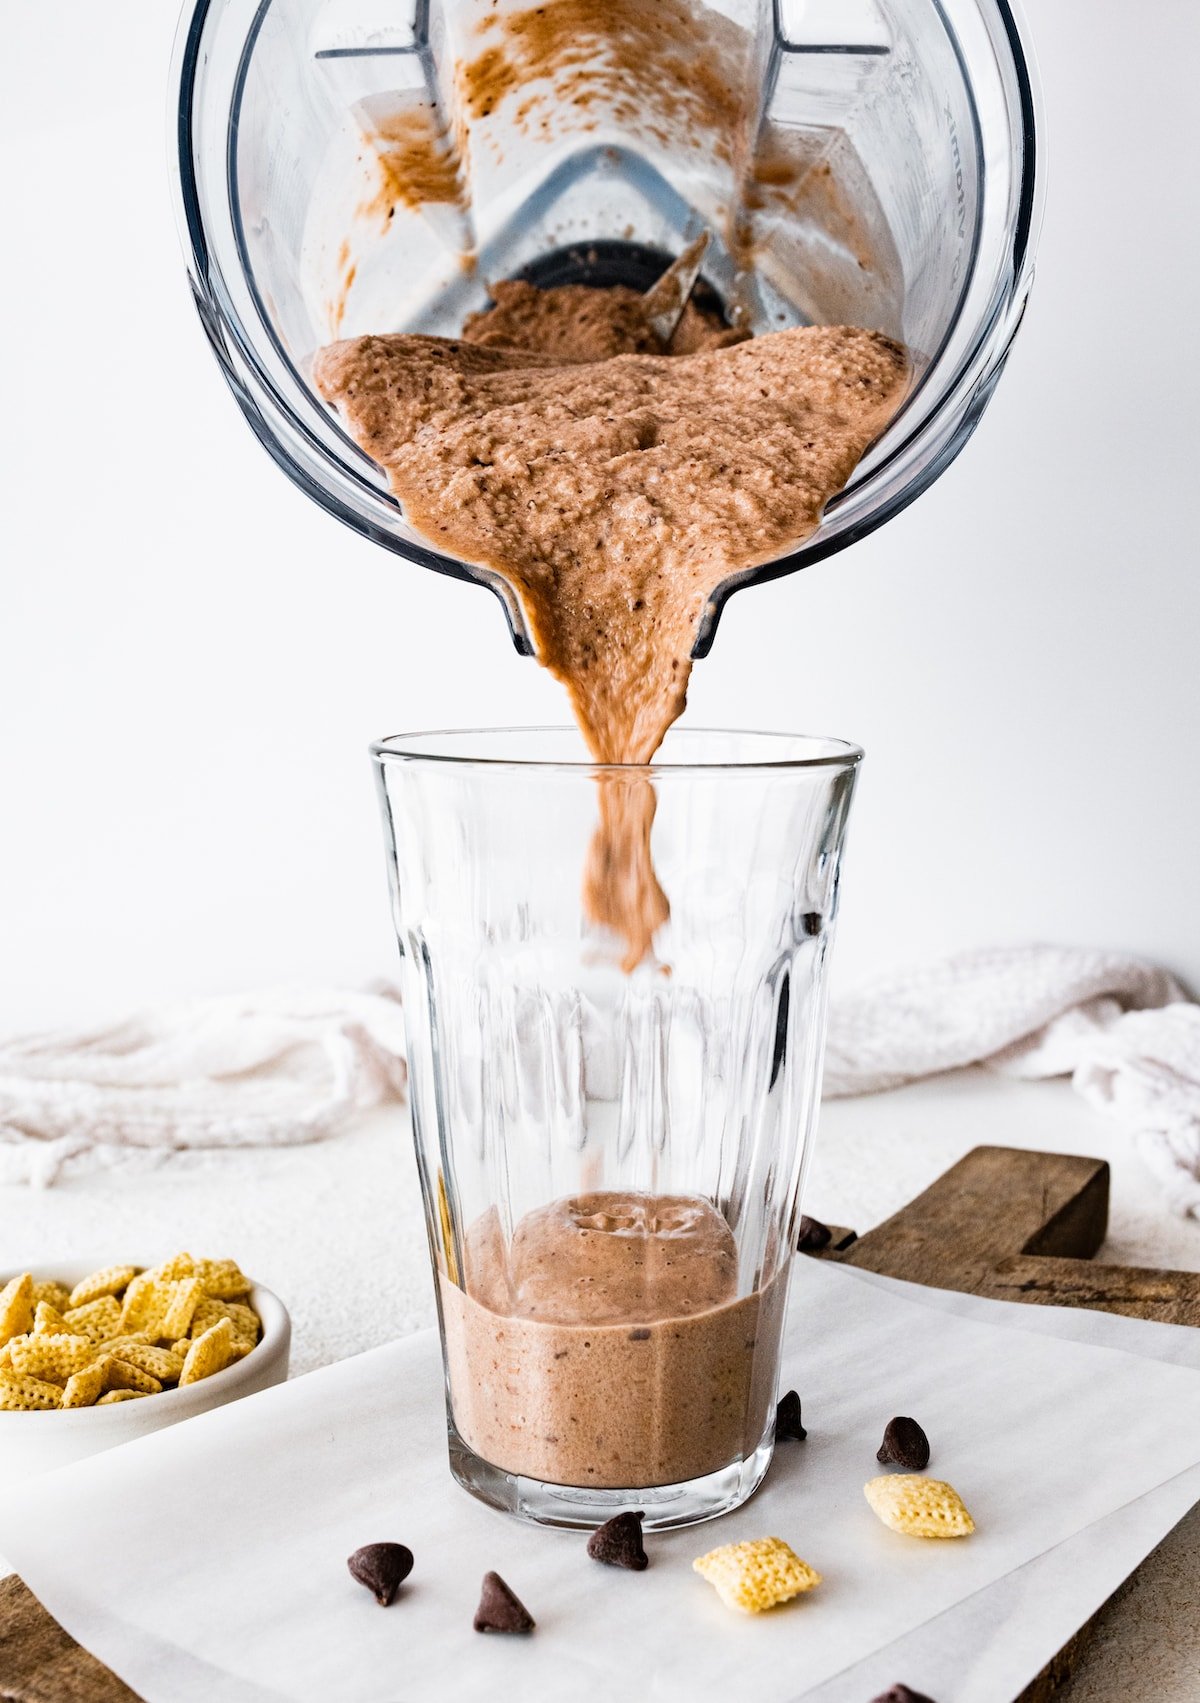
(605, 1258)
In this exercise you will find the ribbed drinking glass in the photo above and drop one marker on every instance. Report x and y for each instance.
(612, 1157)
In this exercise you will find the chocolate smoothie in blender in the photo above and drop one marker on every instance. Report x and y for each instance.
(616, 494)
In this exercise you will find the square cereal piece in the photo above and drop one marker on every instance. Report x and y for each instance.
(179, 1265)
(245, 1320)
(57, 1295)
(210, 1353)
(124, 1376)
(97, 1319)
(48, 1321)
(143, 1304)
(757, 1575)
(111, 1396)
(84, 1388)
(917, 1506)
(114, 1344)
(111, 1280)
(242, 1317)
(6, 1353)
(184, 1296)
(208, 1312)
(53, 1358)
(224, 1280)
(16, 1307)
(160, 1363)
(27, 1395)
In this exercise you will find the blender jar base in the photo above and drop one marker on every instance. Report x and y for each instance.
(666, 1507)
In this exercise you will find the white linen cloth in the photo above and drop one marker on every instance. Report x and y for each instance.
(1043, 1435)
(251, 1070)
(289, 1066)
(1125, 1032)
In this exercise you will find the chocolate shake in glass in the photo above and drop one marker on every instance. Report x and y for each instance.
(612, 1157)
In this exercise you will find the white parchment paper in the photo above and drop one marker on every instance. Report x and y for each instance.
(207, 1562)
(993, 1644)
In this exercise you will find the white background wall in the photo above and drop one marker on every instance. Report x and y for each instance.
(193, 657)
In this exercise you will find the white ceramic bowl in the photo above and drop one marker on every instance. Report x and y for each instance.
(37, 1442)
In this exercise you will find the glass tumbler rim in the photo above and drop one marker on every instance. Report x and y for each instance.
(441, 746)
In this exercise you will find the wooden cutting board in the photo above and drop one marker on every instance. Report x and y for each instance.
(1019, 1226)
(1007, 1224)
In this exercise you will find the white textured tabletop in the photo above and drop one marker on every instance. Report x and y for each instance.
(336, 1229)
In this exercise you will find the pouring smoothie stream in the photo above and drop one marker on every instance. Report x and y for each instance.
(615, 495)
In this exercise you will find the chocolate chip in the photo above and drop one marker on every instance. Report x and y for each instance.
(382, 1568)
(810, 923)
(499, 1610)
(904, 1444)
(618, 1542)
(813, 1235)
(850, 1237)
(901, 1694)
(787, 1419)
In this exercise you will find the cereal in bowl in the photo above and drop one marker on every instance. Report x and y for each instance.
(121, 1333)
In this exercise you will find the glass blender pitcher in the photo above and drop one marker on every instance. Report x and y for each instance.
(354, 166)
